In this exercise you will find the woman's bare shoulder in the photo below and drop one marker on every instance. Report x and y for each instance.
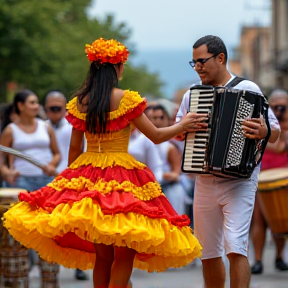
(6, 135)
(116, 96)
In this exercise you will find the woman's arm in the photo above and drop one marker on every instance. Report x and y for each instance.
(8, 174)
(76, 145)
(189, 123)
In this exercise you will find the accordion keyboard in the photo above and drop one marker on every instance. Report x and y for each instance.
(194, 158)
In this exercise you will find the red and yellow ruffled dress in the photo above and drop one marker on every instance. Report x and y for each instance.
(105, 196)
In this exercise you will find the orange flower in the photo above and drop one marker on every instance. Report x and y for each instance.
(104, 51)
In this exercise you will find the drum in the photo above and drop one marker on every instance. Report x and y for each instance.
(49, 274)
(13, 256)
(273, 198)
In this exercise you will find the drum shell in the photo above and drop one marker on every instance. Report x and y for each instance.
(13, 256)
(273, 198)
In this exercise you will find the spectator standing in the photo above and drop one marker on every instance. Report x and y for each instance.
(146, 152)
(34, 137)
(171, 158)
(55, 108)
(275, 156)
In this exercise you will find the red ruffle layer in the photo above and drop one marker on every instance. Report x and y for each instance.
(73, 241)
(138, 177)
(114, 125)
(112, 203)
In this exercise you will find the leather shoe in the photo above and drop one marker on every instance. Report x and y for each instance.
(257, 268)
(281, 265)
(80, 275)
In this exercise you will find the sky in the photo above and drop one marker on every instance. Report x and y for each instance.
(177, 24)
(164, 31)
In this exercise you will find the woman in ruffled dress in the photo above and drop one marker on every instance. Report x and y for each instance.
(106, 211)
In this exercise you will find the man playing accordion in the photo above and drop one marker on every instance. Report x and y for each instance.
(223, 206)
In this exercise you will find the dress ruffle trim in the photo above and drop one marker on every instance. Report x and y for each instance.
(110, 204)
(104, 160)
(131, 106)
(158, 243)
(138, 177)
(146, 192)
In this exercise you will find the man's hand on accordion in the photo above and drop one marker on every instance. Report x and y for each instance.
(255, 128)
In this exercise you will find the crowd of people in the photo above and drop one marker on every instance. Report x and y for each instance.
(221, 211)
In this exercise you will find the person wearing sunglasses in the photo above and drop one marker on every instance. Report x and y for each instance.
(223, 207)
(55, 108)
(275, 156)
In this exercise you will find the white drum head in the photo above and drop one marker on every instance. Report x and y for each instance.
(10, 192)
(271, 175)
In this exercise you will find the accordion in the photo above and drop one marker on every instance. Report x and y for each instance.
(223, 150)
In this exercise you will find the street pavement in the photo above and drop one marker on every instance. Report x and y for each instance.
(187, 277)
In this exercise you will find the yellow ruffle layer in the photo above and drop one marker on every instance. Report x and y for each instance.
(129, 101)
(166, 244)
(104, 160)
(146, 192)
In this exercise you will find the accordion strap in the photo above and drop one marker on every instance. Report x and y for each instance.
(235, 81)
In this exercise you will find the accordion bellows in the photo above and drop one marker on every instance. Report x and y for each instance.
(105, 196)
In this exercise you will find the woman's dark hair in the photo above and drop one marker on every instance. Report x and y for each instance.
(98, 85)
(5, 115)
(21, 96)
(214, 45)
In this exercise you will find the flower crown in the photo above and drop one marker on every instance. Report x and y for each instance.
(106, 51)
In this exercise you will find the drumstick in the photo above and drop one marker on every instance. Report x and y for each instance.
(21, 155)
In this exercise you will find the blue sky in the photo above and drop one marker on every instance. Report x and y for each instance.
(177, 24)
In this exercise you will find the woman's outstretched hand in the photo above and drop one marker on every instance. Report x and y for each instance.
(192, 122)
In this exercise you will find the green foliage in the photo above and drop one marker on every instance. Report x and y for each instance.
(42, 46)
(138, 79)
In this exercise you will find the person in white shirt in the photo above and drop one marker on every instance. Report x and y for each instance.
(55, 108)
(223, 207)
(171, 158)
(32, 136)
(146, 152)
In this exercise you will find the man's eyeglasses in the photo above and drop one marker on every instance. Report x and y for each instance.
(201, 60)
(54, 109)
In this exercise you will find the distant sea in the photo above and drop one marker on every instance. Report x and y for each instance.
(171, 65)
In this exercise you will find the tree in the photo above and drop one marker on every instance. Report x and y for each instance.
(42, 46)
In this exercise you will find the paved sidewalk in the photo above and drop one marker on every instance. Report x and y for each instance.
(187, 277)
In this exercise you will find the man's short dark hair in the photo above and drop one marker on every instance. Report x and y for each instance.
(214, 45)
